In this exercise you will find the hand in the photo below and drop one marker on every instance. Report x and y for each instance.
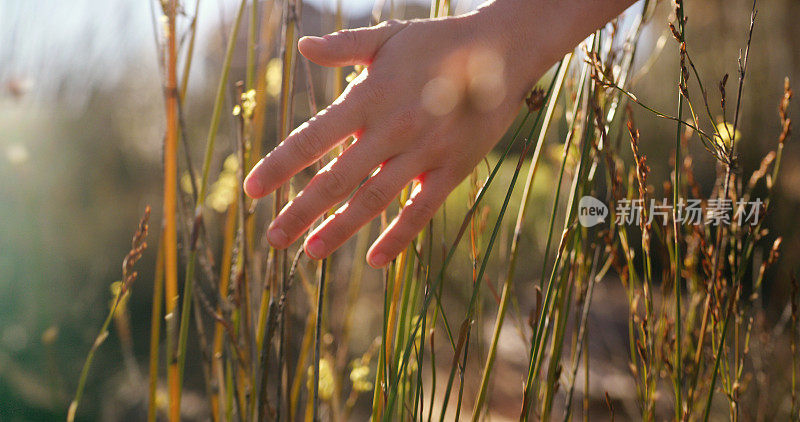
(435, 97)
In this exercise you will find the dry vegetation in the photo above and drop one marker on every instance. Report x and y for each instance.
(276, 336)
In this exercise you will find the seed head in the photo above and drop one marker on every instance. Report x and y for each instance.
(535, 100)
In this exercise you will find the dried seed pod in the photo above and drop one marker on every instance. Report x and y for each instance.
(722, 84)
(786, 122)
(535, 100)
(675, 32)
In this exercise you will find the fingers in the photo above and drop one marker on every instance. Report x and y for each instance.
(418, 211)
(304, 146)
(329, 186)
(372, 198)
(350, 46)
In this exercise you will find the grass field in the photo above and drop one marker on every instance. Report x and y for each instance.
(508, 306)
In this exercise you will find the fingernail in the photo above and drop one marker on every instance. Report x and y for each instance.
(277, 237)
(315, 248)
(378, 260)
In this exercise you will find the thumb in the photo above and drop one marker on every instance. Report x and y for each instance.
(349, 47)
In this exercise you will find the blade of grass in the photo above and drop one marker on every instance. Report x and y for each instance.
(155, 328)
(187, 67)
(224, 280)
(557, 84)
(538, 335)
(676, 194)
(593, 278)
(318, 335)
(448, 256)
(210, 141)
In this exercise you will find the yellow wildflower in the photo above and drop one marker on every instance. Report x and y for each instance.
(326, 380)
(359, 376)
(223, 191)
(248, 103)
(274, 77)
(726, 131)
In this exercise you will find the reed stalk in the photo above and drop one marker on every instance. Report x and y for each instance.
(538, 338)
(183, 334)
(170, 198)
(678, 257)
(155, 329)
(224, 281)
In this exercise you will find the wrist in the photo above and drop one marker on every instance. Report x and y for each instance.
(537, 33)
(524, 33)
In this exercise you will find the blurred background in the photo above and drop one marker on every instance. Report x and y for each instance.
(81, 126)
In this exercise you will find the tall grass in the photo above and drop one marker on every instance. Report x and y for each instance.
(286, 344)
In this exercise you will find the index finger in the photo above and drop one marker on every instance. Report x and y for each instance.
(303, 147)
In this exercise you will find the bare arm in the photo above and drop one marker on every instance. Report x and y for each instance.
(437, 95)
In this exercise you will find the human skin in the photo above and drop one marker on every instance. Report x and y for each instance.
(435, 97)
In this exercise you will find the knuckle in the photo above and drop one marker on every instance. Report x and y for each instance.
(352, 41)
(308, 145)
(435, 152)
(439, 145)
(374, 198)
(453, 174)
(271, 167)
(348, 36)
(294, 219)
(338, 230)
(333, 185)
(418, 214)
(439, 150)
